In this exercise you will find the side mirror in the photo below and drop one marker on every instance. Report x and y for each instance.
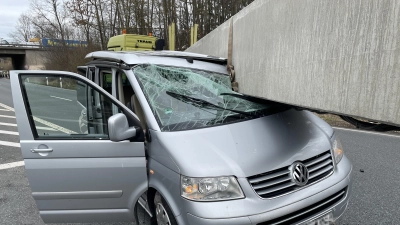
(118, 128)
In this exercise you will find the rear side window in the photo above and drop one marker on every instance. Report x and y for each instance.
(125, 81)
(107, 81)
(66, 108)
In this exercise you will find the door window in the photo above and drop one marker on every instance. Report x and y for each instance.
(107, 81)
(61, 107)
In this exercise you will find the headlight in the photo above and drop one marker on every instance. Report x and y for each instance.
(337, 150)
(210, 188)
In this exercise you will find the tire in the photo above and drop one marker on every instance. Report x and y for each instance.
(141, 216)
(163, 212)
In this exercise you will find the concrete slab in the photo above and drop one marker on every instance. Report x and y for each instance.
(336, 56)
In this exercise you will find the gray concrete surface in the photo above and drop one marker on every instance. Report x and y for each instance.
(340, 56)
(36, 59)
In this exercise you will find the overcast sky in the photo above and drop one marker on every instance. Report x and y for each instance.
(9, 13)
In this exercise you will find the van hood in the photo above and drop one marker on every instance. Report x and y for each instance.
(243, 149)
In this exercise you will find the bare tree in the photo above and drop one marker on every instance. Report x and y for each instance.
(81, 13)
(52, 15)
(24, 30)
(97, 20)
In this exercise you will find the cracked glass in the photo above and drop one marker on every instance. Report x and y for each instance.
(183, 98)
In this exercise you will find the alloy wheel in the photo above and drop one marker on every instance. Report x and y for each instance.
(162, 215)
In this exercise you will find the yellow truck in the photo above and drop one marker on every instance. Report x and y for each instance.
(135, 42)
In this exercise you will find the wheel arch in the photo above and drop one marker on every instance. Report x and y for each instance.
(166, 195)
(167, 183)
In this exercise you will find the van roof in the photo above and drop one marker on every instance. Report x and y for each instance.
(135, 57)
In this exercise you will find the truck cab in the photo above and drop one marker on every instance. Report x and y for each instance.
(164, 131)
(135, 42)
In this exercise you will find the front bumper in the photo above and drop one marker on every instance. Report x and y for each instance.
(254, 210)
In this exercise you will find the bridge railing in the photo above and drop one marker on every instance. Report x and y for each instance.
(19, 45)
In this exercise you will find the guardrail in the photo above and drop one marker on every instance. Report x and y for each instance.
(5, 74)
(16, 45)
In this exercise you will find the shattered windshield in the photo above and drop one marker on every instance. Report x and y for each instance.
(183, 98)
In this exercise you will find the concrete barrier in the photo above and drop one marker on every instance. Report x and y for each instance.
(340, 56)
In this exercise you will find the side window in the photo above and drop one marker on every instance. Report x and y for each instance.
(66, 107)
(124, 89)
(106, 81)
(125, 81)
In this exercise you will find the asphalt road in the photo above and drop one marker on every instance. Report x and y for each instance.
(375, 198)
(5, 92)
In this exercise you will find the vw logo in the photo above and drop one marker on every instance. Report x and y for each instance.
(299, 173)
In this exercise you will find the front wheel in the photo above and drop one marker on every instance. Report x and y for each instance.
(164, 213)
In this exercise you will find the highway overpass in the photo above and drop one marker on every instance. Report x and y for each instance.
(335, 56)
(22, 55)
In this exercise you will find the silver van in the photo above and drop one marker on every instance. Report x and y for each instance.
(164, 131)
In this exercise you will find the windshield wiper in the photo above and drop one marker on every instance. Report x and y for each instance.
(242, 96)
(204, 103)
(235, 95)
(273, 107)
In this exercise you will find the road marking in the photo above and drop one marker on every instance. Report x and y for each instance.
(367, 132)
(45, 122)
(12, 144)
(8, 124)
(7, 116)
(66, 99)
(4, 110)
(11, 165)
(54, 126)
(44, 128)
(7, 107)
(8, 132)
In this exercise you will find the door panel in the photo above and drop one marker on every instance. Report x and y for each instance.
(70, 162)
(97, 182)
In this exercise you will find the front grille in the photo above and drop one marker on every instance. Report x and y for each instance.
(278, 182)
(308, 211)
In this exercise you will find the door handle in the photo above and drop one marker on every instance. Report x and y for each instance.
(41, 150)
